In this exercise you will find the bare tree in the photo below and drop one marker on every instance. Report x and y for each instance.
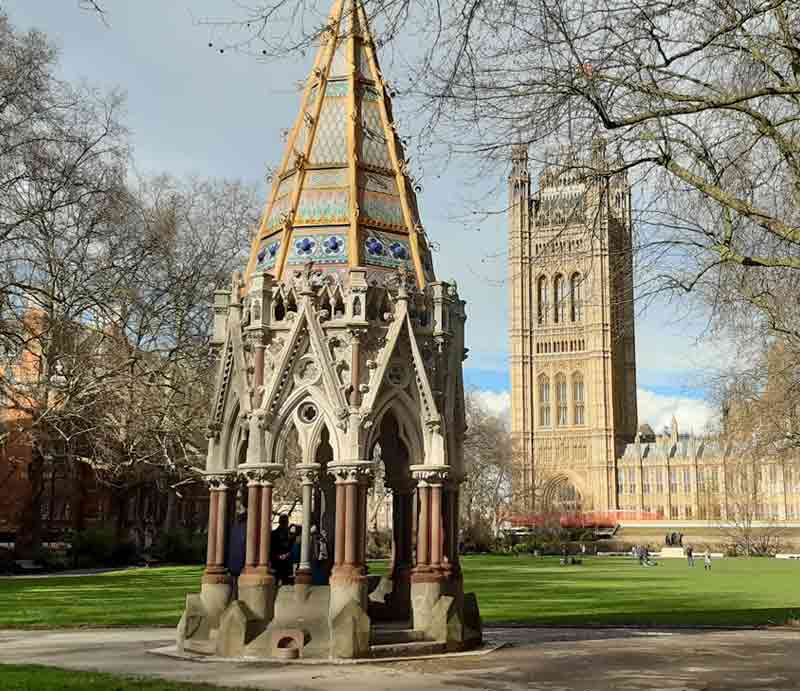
(486, 493)
(105, 288)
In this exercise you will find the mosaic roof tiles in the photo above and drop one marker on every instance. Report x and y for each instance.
(341, 195)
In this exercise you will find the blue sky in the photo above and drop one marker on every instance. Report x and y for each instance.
(193, 111)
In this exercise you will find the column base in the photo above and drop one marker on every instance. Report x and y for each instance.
(424, 595)
(350, 623)
(257, 591)
(348, 573)
(216, 589)
(427, 574)
(303, 577)
(347, 584)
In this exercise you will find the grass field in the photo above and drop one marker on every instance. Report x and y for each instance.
(26, 677)
(520, 590)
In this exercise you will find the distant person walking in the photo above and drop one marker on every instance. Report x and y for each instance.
(707, 561)
(690, 555)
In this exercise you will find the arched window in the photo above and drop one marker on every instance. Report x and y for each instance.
(576, 304)
(543, 300)
(544, 402)
(578, 399)
(559, 288)
(561, 399)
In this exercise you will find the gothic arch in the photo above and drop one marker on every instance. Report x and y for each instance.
(286, 417)
(576, 297)
(542, 301)
(559, 299)
(563, 492)
(315, 440)
(408, 423)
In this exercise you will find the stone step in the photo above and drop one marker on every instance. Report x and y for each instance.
(200, 646)
(388, 636)
(410, 649)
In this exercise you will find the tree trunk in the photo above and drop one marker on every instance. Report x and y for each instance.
(171, 517)
(28, 541)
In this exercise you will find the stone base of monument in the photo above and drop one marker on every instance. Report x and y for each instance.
(321, 622)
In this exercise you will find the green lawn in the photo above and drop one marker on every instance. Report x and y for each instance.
(26, 677)
(523, 590)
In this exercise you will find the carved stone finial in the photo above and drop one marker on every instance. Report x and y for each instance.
(304, 279)
(405, 281)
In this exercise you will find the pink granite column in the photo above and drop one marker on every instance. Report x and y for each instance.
(253, 524)
(212, 528)
(265, 527)
(351, 535)
(362, 524)
(423, 530)
(341, 524)
(222, 517)
(436, 526)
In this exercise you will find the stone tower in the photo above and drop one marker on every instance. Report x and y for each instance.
(573, 360)
(338, 333)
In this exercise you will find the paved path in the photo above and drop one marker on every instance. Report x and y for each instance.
(538, 660)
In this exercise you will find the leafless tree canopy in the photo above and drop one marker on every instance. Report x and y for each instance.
(701, 100)
(106, 283)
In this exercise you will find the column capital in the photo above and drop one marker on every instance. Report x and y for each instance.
(432, 474)
(261, 474)
(308, 472)
(352, 471)
(219, 481)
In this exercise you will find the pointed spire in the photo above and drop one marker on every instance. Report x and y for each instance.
(342, 197)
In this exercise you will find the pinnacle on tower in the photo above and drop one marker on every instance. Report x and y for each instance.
(342, 197)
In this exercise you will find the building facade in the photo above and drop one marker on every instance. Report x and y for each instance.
(577, 442)
(573, 372)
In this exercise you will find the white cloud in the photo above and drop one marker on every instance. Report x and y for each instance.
(656, 409)
(693, 415)
(498, 403)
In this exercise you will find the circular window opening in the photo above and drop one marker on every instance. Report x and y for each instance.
(308, 412)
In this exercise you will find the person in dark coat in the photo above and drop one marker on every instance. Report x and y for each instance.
(281, 552)
(235, 545)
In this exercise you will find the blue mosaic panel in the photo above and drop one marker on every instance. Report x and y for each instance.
(374, 147)
(330, 140)
(267, 253)
(320, 248)
(323, 205)
(384, 249)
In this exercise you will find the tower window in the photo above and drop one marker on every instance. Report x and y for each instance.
(561, 399)
(576, 304)
(559, 288)
(578, 398)
(542, 300)
(544, 402)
